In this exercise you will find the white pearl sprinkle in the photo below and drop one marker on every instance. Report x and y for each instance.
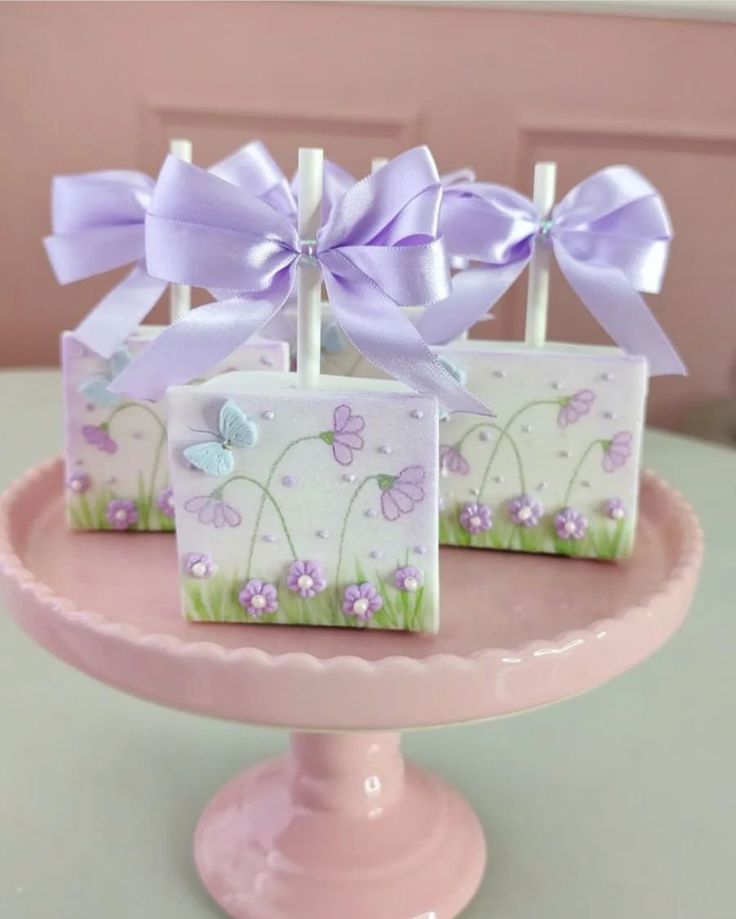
(556, 385)
(411, 585)
(270, 537)
(360, 607)
(417, 413)
(608, 376)
(617, 513)
(370, 513)
(348, 477)
(585, 483)
(304, 582)
(258, 601)
(500, 374)
(569, 526)
(385, 449)
(120, 515)
(484, 436)
(323, 534)
(498, 479)
(475, 521)
(564, 454)
(526, 428)
(198, 570)
(474, 491)
(376, 553)
(609, 415)
(541, 486)
(288, 481)
(267, 415)
(267, 360)
(524, 513)
(421, 550)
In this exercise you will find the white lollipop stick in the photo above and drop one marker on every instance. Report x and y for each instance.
(180, 295)
(309, 276)
(378, 162)
(537, 299)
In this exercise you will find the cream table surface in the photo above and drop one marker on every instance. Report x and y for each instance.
(620, 804)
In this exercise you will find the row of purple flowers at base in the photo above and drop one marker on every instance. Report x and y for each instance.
(122, 513)
(527, 511)
(306, 578)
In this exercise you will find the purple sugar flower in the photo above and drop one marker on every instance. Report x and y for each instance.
(408, 579)
(97, 436)
(199, 565)
(121, 514)
(615, 509)
(399, 493)
(79, 483)
(572, 408)
(570, 524)
(362, 601)
(345, 434)
(452, 460)
(258, 597)
(211, 510)
(306, 579)
(165, 502)
(616, 451)
(525, 511)
(476, 518)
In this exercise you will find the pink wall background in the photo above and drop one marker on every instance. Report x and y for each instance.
(101, 85)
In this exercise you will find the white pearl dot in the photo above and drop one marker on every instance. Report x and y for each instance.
(266, 360)
(498, 479)
(475, 521)
(564, 454)
(421, 550)
(500, 374)
(348, 477)
(258, 602)
(585, 483)
(270, 537)
(371, 513)
(323, 534)
(474, 491)
(524, 513)
(617, 513)
(609, 415)
(305, 582)
(569, 526)
(385, 449)
(608, 376)
(541, 486)
(376, 553)
(198, 569)
(526, 428)
(360, 607)
(411, 584)
(556, 385)
(484, 436)
(268, 415)
(120, 515)
(417, 413)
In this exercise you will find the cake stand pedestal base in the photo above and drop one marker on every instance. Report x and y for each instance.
(339, 827)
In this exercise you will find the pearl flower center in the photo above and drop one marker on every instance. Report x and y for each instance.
(475, 521)
(199, 569)
(411, 584)
(305, 582)
(258, 602)
(570, 526)
(617, 513)
(524, 513)
(360, 607)
(121, 515)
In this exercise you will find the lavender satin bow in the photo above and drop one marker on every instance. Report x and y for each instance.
(610, 236)
(98, 220)
(378, 250)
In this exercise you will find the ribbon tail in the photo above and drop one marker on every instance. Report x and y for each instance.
(120, 312)
(474, 293)
(621, 311)
(195, 343)
(377, 328)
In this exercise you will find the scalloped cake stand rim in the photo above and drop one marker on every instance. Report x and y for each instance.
(259, 687)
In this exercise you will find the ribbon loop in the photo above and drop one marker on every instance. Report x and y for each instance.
(610, 236)
(378, 250)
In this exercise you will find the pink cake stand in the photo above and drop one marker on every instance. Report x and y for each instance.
(341, 826)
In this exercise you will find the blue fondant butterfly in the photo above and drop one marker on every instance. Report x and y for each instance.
(215, 457)
(95, 388)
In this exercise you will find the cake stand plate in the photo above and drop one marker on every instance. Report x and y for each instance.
(342, 826)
